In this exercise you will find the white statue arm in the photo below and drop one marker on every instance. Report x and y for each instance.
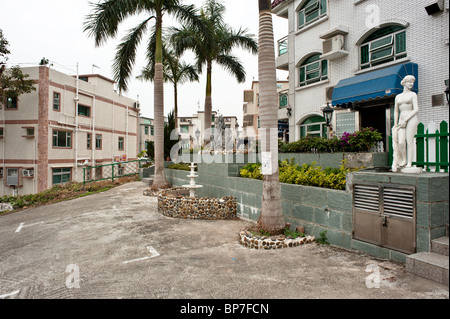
(396, 113)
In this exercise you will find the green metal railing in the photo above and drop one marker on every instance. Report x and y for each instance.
(112, 171)
(431, 148)
(432, 142)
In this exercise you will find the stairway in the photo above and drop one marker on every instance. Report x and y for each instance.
(431, 265)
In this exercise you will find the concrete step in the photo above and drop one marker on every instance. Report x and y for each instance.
(429, 265)
(148, 180)
(440, 246)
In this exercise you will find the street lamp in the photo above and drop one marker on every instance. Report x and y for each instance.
(328, 115)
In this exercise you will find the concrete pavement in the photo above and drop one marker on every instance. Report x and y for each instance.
(116, 245)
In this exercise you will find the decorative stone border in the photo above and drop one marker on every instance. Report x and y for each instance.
(248, 239)
(176, 203)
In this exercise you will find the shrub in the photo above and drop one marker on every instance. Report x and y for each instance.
(306, 174)
(360, 141)
(181, 166)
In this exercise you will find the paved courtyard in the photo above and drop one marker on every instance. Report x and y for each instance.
(116, 245)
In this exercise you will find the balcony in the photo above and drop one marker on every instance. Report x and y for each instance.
(282, 61)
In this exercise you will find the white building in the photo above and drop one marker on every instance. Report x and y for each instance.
(353, 55)
(48, 136)
(192, 128)
(251, 118)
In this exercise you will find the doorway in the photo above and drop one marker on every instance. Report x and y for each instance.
(375, 116)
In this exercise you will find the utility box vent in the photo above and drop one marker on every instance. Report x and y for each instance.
(384, 215)
(398, 202)
(367, 198)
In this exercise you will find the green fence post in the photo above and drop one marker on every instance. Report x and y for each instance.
(420, 143)
(443, 140)
(112, 172)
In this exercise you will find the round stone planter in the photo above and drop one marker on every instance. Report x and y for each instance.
(248, 239)
(176, 203)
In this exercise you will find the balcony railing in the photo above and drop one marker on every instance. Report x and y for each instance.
(283, 45)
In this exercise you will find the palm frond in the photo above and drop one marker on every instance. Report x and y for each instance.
(102, 23)
(126, 55)
(233, 66)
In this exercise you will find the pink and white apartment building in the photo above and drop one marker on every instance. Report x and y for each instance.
(48, 136)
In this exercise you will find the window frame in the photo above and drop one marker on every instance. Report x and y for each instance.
(312, 6)
(66, 139)
(322, 131)
(89, 141)
(7, 176)
(86, 108)
(7, 106)
(393, 44)
(280, 96)
(62, 173)
(307, 63)
(184, 129)
(59, 101)
(99, 139)
(121, 140)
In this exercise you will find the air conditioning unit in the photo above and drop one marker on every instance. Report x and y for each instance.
(335, 43)
(28, 173)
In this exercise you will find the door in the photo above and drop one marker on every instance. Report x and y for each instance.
(384, 215)
(375, 116)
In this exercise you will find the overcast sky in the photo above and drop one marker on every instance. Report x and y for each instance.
(54, 29)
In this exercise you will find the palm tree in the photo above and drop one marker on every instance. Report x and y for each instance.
(103, 23)
(271, 218)
(213, 42)
(176, 72)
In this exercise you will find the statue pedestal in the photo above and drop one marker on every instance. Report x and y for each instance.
(411, 170)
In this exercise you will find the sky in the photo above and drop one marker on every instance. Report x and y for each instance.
(54, 29)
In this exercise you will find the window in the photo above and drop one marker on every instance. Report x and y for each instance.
(152, 130)
(313, 70)
(98, 141)
(311, 11)
(84, 110)
(61, 175)
(56, 101)
(62, 139)
(11, 103)
(384, 45)
(283, 100)
(29, 131)
(1, 132)
(121, 143)
(313, 126)
(12, 176)
(184, 129)
(89, 141)
(146, 130)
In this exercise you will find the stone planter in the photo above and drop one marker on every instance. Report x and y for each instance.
(176, 203)
(250, 240)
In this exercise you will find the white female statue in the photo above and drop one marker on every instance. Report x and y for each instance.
(405, 127)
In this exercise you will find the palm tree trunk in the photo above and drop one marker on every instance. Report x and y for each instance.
(175, 96)
(208, 103)
(272, 218)
(160, 180)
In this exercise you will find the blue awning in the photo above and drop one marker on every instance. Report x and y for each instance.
(373, 85)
